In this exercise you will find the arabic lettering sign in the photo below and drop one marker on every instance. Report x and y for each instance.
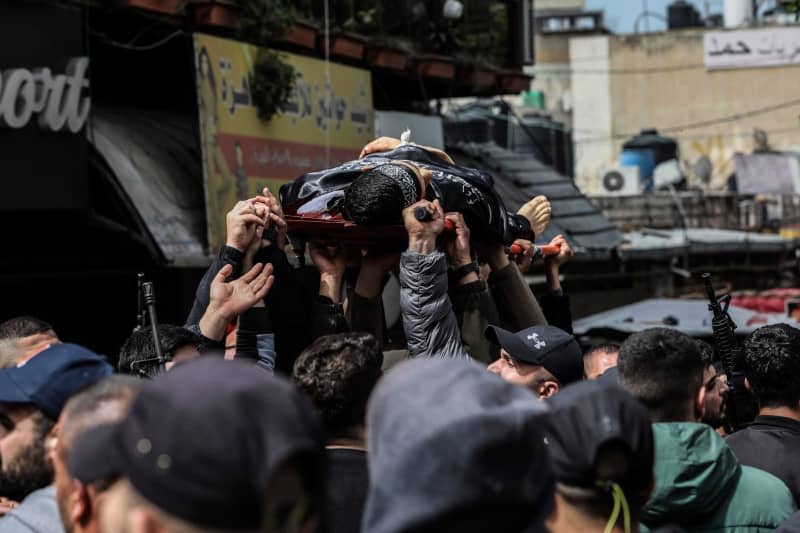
(752, 48)
(323, 124)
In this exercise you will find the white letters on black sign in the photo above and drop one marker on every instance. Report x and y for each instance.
(58, 101)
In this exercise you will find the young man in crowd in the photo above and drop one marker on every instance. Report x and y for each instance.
(338, 373)
(138, 355)
(105, 402)
(598, 359)
(601, 443)
(772, 441)
(699, 482)
(23, 337)
(542, 358)
(212, 445)
(31, 399)
(454, 448)
(716, 385)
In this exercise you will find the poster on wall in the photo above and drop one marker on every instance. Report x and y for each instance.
(323, 124)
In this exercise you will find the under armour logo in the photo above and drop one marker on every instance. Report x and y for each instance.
(538, 344)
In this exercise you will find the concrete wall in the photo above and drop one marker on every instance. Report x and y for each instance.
(659, 81)
(540, 5)
(592, 119)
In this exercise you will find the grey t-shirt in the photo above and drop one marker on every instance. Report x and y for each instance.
(38, 513)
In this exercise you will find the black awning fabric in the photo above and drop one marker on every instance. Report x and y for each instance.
(156, 160)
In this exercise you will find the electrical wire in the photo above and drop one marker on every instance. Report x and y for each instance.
(137, 48)
(700, 124)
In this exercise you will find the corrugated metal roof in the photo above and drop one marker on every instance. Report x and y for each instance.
(520, 177)
(658, 243)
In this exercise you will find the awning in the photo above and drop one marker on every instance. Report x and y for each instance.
(155, 158)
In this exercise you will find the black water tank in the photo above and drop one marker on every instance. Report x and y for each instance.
(664, 148)
(682, 14)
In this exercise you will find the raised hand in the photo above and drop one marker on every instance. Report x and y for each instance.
(422, 234)
(563, 256)
(242, 222)
(275, 216)
(524, 260)
(231, 299)
(458, 249)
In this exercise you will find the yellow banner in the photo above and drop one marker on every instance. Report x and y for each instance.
(324, 123)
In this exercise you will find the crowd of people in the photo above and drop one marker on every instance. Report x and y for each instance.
(284, 404)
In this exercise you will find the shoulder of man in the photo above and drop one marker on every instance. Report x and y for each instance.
(759, 500)
(38, 513)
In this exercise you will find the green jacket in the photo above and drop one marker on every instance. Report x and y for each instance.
(701, 486)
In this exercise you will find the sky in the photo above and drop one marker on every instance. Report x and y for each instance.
(620, 15)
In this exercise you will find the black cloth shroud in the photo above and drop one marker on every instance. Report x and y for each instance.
(465, 190)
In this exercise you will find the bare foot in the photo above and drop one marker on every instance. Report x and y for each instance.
(537, 211)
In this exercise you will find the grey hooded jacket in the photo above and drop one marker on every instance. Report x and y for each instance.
(431, 327)
(455, 448)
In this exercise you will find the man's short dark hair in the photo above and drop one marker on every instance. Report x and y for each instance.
(772, 365)
(137, 356)
(663, 369)
(602, 348)
(88, 407)
(706, 352)
(23, 326)
(374, 199)
(338, 372)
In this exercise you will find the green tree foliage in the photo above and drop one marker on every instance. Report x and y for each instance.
(273, 78)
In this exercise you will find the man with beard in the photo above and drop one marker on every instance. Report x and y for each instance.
(716, 385)
(31, 399)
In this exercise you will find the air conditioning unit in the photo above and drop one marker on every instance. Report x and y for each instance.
(619, 181)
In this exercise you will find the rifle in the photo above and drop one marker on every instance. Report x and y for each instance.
(146, 297)
(140, 316)
(740, 409)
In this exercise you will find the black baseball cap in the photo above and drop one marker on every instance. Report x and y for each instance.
(587, 416)
(547, 346)
(48, 379)
(202, 441)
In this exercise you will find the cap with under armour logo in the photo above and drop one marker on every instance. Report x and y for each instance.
(547, 346)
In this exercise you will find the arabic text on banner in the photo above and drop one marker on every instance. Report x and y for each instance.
(242, 154)
(752, 48)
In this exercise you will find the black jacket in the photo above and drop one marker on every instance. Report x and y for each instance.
(772, 444)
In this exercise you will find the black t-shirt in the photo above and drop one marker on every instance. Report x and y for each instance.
(771, 443)
(346, 492)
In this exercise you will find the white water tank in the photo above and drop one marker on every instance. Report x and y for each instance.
(737, 13)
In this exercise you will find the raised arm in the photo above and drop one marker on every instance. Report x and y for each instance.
(242, 223)
(428, 320)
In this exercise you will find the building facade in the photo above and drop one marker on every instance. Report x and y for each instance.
(674, 82)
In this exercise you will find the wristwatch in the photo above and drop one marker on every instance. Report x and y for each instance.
(463, 271)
